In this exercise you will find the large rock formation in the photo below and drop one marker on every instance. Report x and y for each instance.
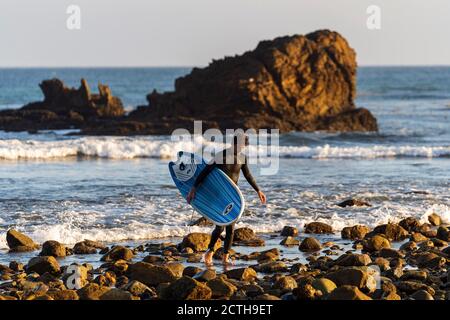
(302, 83)
(63, 108)
(291, 83)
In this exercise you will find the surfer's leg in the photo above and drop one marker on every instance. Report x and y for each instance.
(214, 237)
(228, 242)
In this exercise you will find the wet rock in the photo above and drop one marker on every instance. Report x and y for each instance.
(53, 248)
(92, 291)
(310, 245)
(191, 271)
(243, 274)
(355, 232)
(305, 291)
(255, 242)
(353, 259)
(267, 255)
(271, 267)
(376, 243)
(64, 294)
(18, 242)
(242, 234)
(289, 241)
(417, 237)
(429, 260)
(205, 275)
(118, 253)
(220, 287)
(353, 276)
(150, 275)
(391, 231)
(16, 266)
(382, 263)
(116, 294)
(289, 231)
(443, 233)
(198, 241)
(43, 264)
(418, 275)
(347, 292)
(410, 224)
(176, 268)
(252, 290)
(318, 228)
(408, 246)
(285, 284)
(87, 247)
(390, 253)
(421, 295)
(410, 287)
(435, 219)
(298, 267)
(325, 285)
(354, 203)
(218, 254)
(186, 288)
(139, 289)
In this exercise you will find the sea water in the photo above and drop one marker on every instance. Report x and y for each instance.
(70, 188)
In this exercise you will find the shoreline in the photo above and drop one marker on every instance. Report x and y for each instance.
(411, 259)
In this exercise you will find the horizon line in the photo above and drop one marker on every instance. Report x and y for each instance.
(192, 66)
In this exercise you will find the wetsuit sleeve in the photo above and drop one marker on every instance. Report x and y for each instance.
(204, 174)
(249, 177)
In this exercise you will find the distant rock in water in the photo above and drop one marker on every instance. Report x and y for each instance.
(302, 83)
(63, 108)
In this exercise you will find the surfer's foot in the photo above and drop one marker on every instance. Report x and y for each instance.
(208, 257)
(226, 260)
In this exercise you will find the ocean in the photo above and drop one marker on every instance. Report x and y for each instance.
(70, 188)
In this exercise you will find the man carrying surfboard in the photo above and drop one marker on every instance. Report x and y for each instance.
(231, 161)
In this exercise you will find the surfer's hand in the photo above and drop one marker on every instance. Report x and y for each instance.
(262, 197)
(191, 195)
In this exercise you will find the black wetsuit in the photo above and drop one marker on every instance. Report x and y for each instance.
(232, 168)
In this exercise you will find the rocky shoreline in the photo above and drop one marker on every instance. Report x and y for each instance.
(394, 261)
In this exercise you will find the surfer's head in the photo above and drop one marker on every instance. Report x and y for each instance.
(240, 141)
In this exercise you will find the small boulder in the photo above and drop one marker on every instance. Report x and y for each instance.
(376, 243)
(42, 265)
(326, 286)
(186, 288)
(310, 245)
(243, 234)
(318, 228)
(354, 276)
(243, 274)
(289, 231)
(347, 292)
(220, 287)
(197, 241)
(63, 294)
(357, 232)
(118, 253)
(391, 231)
(18, 242)
(353, 259)
(92, 291)
(443, 234)
(434, 219)
(139, 289)
(116, 294)
(353, 203)
(289, 242)
(150, 275)
(205, 275)
(410, 224)
(421, 295)
(285, 284)
(53, 248)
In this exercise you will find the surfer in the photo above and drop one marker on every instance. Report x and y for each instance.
(231, 161)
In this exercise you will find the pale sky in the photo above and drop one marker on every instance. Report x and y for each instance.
(193, 32)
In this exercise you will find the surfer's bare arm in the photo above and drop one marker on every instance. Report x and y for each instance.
(199, 181)
(248, 176)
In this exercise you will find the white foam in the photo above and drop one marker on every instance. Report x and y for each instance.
(149, 147)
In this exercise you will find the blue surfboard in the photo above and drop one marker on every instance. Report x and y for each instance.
(217, 198)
